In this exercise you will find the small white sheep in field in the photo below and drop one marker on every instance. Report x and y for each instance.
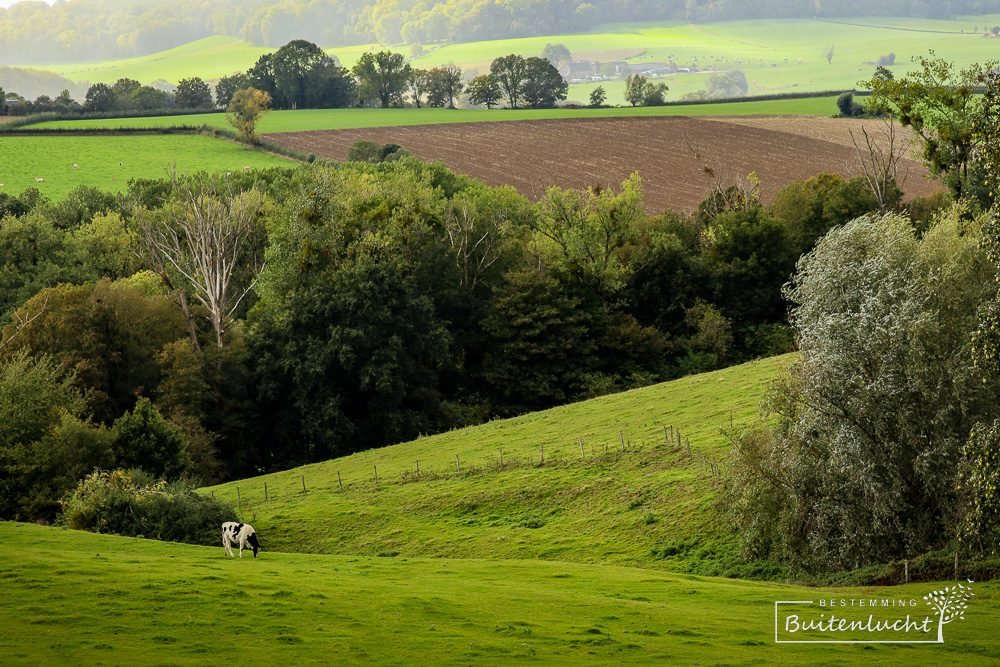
(39, 180)
(74, 166)
(246, 168)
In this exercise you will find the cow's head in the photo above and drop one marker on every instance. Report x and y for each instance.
(252, 541)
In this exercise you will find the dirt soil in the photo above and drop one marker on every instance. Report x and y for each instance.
(676, 156)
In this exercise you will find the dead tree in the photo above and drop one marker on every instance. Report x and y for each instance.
(208, 235)
(476, 238)
(21, 321)
(880, 154)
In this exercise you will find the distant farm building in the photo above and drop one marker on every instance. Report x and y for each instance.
(576, 71)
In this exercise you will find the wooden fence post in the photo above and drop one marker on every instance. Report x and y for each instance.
(375, 466)
(501, 457)
(265, 490)
(582, 455)
(303, 483)
(213, 495)
(339, 483)
(669, 443)
(541, 454)
(418, 467)
(622, 437)
(458, 466)
(730, 419)
(689, 446)
(700, 464)
(239, 501)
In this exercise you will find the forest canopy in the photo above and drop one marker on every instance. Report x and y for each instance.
(34, 32)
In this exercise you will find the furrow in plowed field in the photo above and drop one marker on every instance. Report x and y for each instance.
(670, 153)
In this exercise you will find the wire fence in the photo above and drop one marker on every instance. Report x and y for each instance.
(590, 452)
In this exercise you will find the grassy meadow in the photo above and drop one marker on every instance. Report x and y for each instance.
(51, 158)
(604, 506)
(79, 598)
(777, 55)
(344, 119)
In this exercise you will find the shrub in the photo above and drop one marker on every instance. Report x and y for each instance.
(130, 503)
(847, 106)
(363, 150)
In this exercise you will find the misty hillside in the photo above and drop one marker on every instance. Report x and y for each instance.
(87, 30)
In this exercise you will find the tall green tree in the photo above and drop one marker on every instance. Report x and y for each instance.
(143, 439)
(145, 98)
(557, 54)
(484, 90)
(100, 98)
(107, 333)
(123, 89)
(192, 93)
(444, 84)
(509, 73)
(305, 77)
(583, 234)
(543, 86)
(635, 89)
(351, 292)
(37, 395)
(940, 104)
(384, 76)
(227, 87)
(539, 347)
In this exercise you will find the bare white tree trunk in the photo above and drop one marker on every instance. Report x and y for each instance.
(477, 240)
(204, 235)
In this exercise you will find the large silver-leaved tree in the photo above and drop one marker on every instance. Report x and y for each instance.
(858, 461)
(205, 242)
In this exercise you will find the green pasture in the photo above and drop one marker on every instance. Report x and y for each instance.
(23, 159)
(601, 505)
(342, 119)
(777, 55)
(84, 599)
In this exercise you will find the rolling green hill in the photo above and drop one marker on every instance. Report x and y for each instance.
(602, 506)
(777, 55)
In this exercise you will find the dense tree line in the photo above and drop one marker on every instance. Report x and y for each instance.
(300, 75)
(84, 30)
(396, 298)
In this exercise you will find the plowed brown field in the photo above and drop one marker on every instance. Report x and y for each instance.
(670, 153)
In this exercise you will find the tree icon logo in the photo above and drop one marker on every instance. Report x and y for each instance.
(950, 603)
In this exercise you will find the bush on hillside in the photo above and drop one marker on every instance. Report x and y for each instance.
(133, 504)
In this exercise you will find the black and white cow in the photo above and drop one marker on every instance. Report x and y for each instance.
(243, 533)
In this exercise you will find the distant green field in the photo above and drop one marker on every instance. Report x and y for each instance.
(603, 506)
(777, 55)
(25, 159)
(342, 119)
(75, 598)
